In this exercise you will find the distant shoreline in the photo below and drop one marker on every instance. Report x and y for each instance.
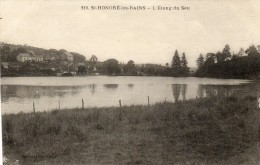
(252, 78)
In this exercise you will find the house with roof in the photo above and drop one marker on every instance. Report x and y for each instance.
(23, 57)
(68, 56)
(5, 65)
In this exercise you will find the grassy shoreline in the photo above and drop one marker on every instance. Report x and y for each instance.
(217, 130)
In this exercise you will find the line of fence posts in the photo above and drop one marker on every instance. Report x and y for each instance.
(83, 105)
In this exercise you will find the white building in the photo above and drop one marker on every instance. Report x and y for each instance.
(69, 56)
(22, 57)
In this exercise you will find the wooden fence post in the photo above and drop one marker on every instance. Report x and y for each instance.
(33, 107)
(59, 104)
(148, 100)
(120, 111)
(82, 104)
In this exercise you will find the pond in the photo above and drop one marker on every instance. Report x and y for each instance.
(47, 93)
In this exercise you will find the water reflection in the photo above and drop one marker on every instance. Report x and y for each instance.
(178, 89)
(130, 85)
(35, 92)
(227, 90)
(184, 91)
(200, 91)
(111, 86)
(106, 91)
(93, 88)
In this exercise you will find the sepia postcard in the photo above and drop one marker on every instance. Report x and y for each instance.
(130, 82)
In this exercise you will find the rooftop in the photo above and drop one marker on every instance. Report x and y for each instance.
(68, 53)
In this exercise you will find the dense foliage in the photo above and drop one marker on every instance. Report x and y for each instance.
(112, 66)
(179, 65)
(223, 65)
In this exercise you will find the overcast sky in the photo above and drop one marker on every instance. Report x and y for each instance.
(143, 36)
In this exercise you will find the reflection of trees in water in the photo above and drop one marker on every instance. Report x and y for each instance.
(21, 91)
(183, 91)
(7, 92)
(214, 90)
(75, 90)
(130, 85)
(111, 86)
(178, 89)
(200, 92)
(93, 88)
(226, 90)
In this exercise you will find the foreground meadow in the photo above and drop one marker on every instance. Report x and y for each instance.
(215, 130)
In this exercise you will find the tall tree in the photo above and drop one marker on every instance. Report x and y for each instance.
(184, 65)
(258, 48)
(184, 62)
(241, 52)
(112, 66)
(176, 62)
(210, 59)
(226, 52)
(129, 68)
(220, 57)
(252, 51)
(5, 53)
(200, 61)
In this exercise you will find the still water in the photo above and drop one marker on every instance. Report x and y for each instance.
(19, 93)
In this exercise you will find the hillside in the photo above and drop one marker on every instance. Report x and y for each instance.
(9, 52)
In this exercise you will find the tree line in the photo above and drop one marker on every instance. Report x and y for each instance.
(178, 68)
(223, 64)
(179, 65)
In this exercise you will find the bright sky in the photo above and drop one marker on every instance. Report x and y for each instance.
(143, 36)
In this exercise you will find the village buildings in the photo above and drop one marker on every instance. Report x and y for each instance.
(23, 57)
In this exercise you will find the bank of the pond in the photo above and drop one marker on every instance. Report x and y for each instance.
(217, 130)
